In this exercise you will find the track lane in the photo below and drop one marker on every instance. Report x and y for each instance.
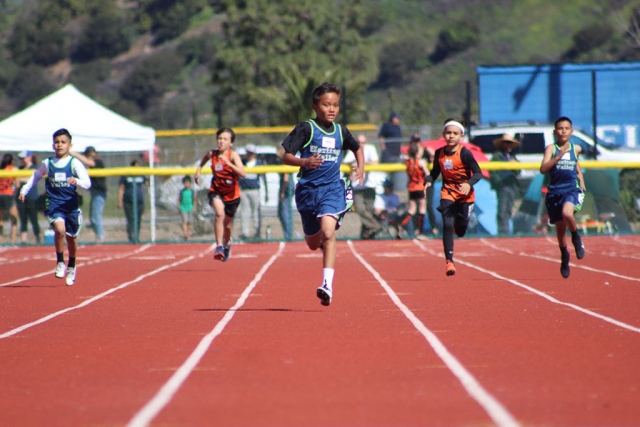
(548, 364)
(606, 292)
(100, 364)
(285, 360)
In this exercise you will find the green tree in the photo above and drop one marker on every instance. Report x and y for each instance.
(38, 39)
(105, 35)
(289, 46)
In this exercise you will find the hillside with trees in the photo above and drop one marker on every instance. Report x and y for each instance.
(170, 64)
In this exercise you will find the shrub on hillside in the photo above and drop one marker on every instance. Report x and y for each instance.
(104, 36)
(454, 38)
(589, 38)
(198, 50)
(87, 76)
(29, 86)
(167, 19)
(150, 79)
(37, 40)
(398, 60)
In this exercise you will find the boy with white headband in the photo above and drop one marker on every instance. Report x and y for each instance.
(460, 172)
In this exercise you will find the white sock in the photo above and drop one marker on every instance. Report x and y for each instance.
(327, 277)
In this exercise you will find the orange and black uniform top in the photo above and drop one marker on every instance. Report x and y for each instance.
(225, 181)
(6, 184)
(416, 174)
(457, 168)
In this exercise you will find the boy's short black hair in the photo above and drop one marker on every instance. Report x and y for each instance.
(229, 130)
(61, 132)
(186, 178)
(562, 119)
(322, 89)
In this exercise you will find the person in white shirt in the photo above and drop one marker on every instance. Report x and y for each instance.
(364, 195)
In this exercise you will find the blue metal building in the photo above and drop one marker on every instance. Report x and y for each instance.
(542, 93)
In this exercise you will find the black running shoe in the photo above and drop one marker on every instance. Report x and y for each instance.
(564, 265)
(227, 252)
(577, 244)
(324, 293)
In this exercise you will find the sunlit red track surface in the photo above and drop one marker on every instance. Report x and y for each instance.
(165, 335)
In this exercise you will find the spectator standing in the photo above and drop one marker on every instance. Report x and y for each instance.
(250, 203)
(364, 195)
(27, 210)
(285, 198)
(131, 198)
(187, 202)
(505, 182)
(390, 143)
(98, 190)
(7, 199)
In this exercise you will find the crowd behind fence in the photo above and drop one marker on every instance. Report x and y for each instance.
(609, 207)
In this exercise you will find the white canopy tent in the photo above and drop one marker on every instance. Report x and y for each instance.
(90, 124)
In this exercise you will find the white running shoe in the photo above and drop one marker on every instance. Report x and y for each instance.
(60, 270)
(71, 276)
(324, 293)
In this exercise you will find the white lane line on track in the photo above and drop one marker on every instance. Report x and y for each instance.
(555, 260)
(537, 292)
(584, 267)
(496, 411)
(619, 239)
(95, 261)
(102, 295)
(170, 388)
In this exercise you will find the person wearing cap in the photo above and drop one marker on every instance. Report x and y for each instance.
(505, 182)
(98, 190)
(250, 203)
(28, 211)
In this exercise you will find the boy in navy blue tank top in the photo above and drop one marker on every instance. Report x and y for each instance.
(64, 174)
(321, 195)
(565, 191)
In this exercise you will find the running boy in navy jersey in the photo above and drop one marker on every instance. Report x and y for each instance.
(64, 174)
(565, 191)
(321, 195)
(224, 193)
(460, 172)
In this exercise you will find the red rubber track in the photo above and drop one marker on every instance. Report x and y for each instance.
(284, 360)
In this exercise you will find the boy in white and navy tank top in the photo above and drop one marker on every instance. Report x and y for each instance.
(566, 190)
(64, 174)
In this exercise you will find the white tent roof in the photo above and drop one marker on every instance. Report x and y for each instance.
(89, 123)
